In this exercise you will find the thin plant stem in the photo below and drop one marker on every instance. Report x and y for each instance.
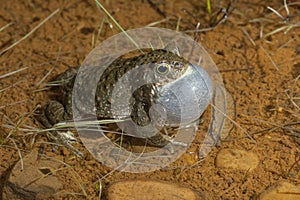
(28, 34)
(5, 26)
(118, 25)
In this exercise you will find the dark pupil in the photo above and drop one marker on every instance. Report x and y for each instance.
(162, 69)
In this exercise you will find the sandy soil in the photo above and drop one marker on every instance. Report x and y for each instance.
(259, 68)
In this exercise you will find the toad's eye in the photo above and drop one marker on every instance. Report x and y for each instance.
(162, 68)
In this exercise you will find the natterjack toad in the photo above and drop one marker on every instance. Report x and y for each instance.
(165, 67)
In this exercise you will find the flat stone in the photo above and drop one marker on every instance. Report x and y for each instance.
(236, 159)
(150, 190)
(36, 181)
(281, 191)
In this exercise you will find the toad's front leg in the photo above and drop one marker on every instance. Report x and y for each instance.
(53, 113)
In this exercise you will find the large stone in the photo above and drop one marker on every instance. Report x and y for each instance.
(236, 159)
(150, 190)
(281, 191)
(36, 181)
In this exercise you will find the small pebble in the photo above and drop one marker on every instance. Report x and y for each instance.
(237, 159)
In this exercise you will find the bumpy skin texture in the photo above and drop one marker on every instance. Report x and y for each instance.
(142, 98)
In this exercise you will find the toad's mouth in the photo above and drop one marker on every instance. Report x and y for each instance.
(185, 99)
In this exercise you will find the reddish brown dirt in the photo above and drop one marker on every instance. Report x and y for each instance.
(259, 72)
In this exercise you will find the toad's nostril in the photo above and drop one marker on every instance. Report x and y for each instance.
(45, 171)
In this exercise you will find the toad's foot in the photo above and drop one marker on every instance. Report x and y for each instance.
(53, 113)
(66, 140)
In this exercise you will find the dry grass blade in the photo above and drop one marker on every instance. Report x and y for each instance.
(157, 22)
(200, 30)
(286, 127)
(11, 86)
(74, 174)
(86, 123)
(286, 8)
(287, 28)
(44, 77)
(234, 122)
(260, 20)
(291, 27)
(14, 103)
(261, 31)
(118, 25)
(19, 153)
(291, 98)
(5, 26)
(29, 129)
(285, 19)
(28, 34)
(249, 37)
(277, 13)
(13, 72)
(18, 123)
(100, 190)
(286, 43)
(293, 102)
(51, 70)
(178, 23)
(269, 56)
(96, 37)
